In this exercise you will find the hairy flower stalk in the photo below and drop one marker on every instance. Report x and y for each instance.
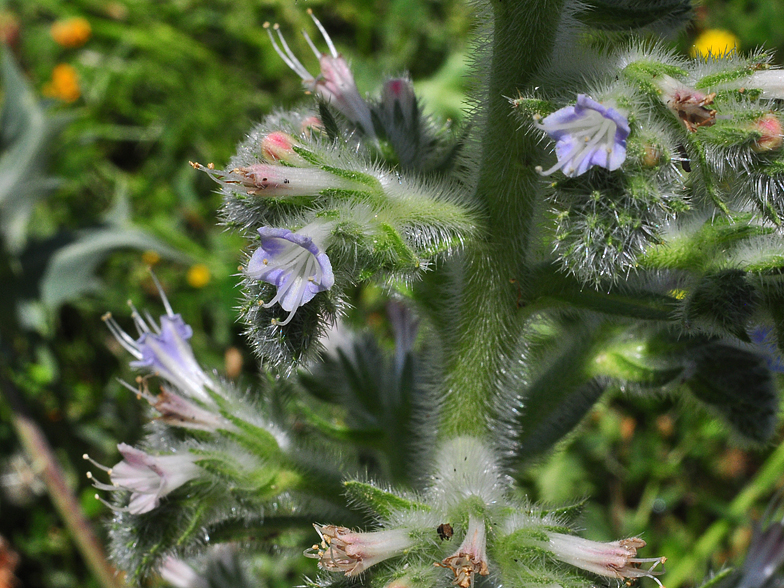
(617, 559)
(344, 550)
(164, 350)
(295, 263)
(335, 83)
(147, 477)
(586, 135)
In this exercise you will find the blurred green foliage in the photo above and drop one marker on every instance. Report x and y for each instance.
(164, 82)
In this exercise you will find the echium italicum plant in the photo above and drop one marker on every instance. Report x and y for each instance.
(610, 217)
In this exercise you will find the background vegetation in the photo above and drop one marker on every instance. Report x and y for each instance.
(132, 91)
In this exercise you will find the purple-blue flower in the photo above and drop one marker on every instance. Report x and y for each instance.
(164, 351)
(293, 262)
(585, 135)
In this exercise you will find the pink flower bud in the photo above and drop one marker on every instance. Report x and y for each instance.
(769, 128)
(278, 146)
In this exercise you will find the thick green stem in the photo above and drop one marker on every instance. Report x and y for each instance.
(482, 344)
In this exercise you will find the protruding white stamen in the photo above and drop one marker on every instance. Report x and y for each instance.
(324, 33)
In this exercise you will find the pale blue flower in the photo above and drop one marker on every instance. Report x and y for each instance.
(148, 477)
(164, 350)
(586, 134)
(295, 263)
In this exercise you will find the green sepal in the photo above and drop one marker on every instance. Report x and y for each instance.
(528, 107)
(354, 176)
(257, 440)
(699, 250)
(643, 74)
(404, 258)
(379, 501)
(258, 484)
(350, 195)
(328, 120)
(307, 155)
(568, 512)
(738, 132)
(732, 75)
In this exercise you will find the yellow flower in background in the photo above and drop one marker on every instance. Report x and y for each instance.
(64, 85)
(71, 32)
(715, 42)
(198, 276)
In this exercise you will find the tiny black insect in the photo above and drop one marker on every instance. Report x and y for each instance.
(445, 531)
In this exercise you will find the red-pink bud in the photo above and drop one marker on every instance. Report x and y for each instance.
(278, 146)
(770, 130)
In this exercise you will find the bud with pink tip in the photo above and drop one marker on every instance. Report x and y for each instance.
(279, 146)
(771, 136)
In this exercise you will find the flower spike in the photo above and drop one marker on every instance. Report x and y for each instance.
(586, 135)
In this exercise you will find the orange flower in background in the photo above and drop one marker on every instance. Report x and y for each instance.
(151, 257)
(64, 85)
(714, 42)
(71, 32)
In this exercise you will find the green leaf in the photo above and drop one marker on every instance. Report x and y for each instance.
(379, 501)
(560, 393)
(626, 15)
(71, 271)
(738, 385)
(25, 134)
